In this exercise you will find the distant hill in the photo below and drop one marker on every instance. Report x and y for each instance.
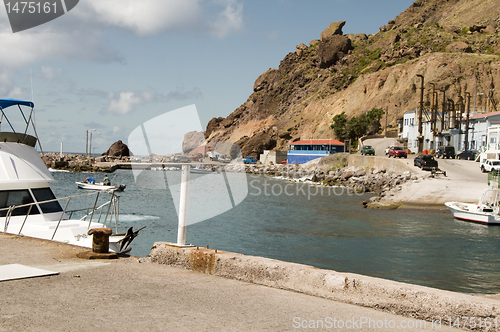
(446, 41)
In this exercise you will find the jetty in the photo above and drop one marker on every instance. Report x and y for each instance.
(131, 294)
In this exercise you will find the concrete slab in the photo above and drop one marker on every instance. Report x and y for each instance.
(19, 271)
(125, 295)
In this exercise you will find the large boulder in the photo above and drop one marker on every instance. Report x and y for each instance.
(333, 44)
(192, 141)
(256, 145)
(265, 79)
(333, 29)
(459, 47)
(117, 149)
(333, 49)
(213, 125)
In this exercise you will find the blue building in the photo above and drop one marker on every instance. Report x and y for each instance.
(301, 152)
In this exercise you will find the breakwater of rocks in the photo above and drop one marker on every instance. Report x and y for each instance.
(371, 180)
(80, 163)
(368, 179)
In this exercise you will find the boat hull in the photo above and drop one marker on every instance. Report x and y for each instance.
(473, 212)
(90, 186)
(74, 232)
(201, 171)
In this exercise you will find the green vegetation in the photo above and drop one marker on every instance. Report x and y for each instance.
(357, 126)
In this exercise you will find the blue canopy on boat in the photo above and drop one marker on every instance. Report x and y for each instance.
(4, 103)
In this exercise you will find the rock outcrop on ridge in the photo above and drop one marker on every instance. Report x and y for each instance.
(117, 149)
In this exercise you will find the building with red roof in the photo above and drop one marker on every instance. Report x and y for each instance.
(302, 151)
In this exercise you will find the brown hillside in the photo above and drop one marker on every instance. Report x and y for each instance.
(446, 41)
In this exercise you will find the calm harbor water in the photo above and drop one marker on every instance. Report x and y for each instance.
(296, 223)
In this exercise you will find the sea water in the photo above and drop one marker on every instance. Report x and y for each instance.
(297, 222)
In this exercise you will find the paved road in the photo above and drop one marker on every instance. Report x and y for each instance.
(124, 295)
(380, 144)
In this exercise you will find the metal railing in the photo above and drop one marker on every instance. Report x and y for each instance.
(112, 211)
(493, 179)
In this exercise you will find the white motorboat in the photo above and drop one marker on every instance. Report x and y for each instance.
(201, 170)
(486, 211)
(100, 186)
(28, 205)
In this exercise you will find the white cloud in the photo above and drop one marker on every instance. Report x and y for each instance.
(9, 89)
(230, 19)
(123, 103)
(78, 35)
(50, 73)
(146, 16)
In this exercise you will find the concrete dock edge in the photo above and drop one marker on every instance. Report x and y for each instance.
(399, 298)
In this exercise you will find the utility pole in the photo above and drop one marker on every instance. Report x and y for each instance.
(467, 95)
(420, 134)
(386, 114)
(433, 110)
(476, 74)
(452, 121)
(461, 109)
(443, 113)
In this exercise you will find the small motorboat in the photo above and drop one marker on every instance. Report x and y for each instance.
(202, 170)
(99, 186)
(486, 211)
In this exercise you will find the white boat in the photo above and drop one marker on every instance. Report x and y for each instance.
(100, 186)
(200, 170)
(28, 205)
(486, 211)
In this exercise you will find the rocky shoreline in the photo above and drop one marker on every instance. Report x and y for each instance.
(80, 163)
(380, 182)
(328, 173)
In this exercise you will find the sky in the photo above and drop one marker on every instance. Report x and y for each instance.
(112, 65)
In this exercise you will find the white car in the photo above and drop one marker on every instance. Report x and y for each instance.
(387, 150)
(488, 165)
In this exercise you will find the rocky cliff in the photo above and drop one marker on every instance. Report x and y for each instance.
(449, 42)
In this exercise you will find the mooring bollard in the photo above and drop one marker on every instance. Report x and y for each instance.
(100, 239)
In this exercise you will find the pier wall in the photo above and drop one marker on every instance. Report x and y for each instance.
(396, 165)
(395, 297)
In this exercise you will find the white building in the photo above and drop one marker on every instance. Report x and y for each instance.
(478, 126)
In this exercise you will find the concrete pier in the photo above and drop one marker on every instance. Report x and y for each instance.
(423, 303)
(126, 295)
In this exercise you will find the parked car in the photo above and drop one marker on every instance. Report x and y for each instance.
(489, 165)
(250, 160)
(468, 154)
(425, 162)
(387, 150)
(397, 151)
(367, 149)
(445, 152)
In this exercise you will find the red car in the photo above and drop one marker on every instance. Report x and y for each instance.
(397, 151)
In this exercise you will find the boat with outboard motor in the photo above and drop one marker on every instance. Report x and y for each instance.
(28, 205)
(486, 210)
(203, 170)
(99, 186)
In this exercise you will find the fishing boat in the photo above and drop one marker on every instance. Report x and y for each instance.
(28, 205)
(99, 186)
(201, 170)
(486, 211)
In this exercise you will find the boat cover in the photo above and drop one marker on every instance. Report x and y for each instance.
(4, 103)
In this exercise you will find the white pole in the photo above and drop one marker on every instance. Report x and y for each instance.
(61, 155)
(183, 204)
